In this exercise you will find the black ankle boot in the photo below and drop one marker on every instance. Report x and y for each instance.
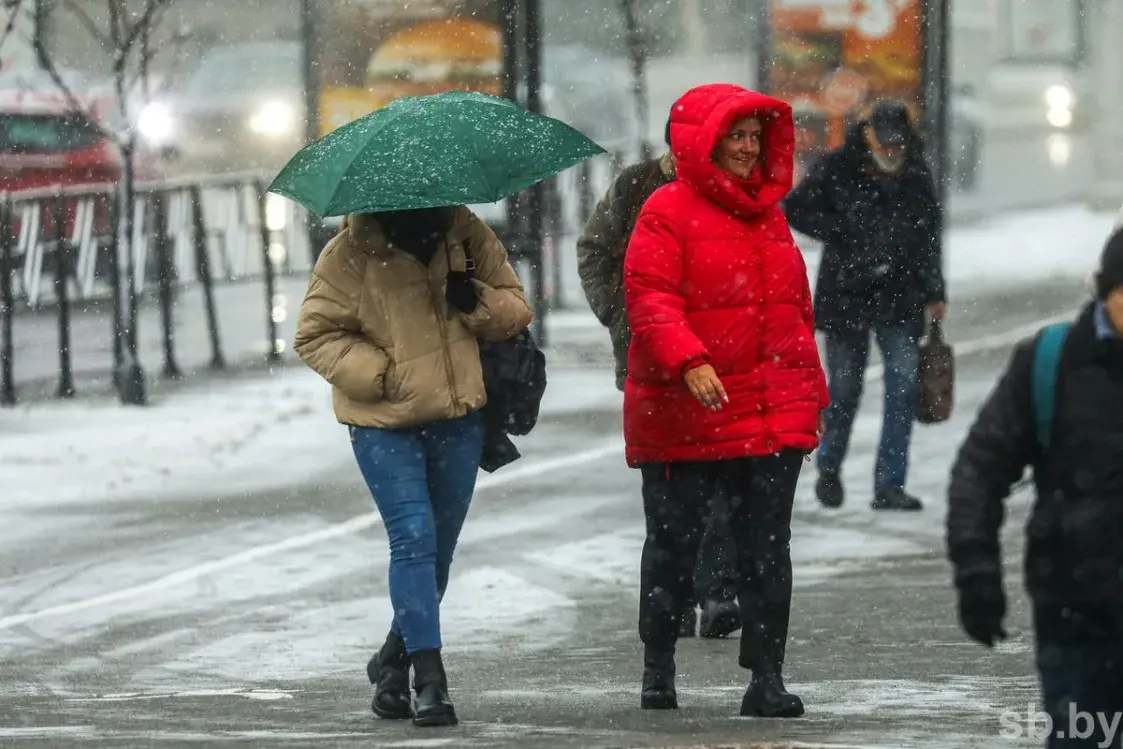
(433, 706)
(388, 671)
(766, 696)
(658, 691)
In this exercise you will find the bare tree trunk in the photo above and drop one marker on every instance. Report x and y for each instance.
(131, 378)
(127, 39)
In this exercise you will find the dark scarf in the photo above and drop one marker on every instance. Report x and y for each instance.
(419, 232)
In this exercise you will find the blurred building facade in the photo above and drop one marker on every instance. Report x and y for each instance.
(1036, 89)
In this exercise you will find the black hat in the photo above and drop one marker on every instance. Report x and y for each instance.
(890, 121)
(667, 132)
(1110, 275)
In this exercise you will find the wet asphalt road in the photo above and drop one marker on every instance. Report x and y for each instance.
(183, 622)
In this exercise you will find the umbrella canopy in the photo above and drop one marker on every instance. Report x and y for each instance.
(456, 148)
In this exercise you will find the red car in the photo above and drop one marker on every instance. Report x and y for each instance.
(45, 141)
(48, 142)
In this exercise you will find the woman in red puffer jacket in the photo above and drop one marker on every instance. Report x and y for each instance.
(725, 386)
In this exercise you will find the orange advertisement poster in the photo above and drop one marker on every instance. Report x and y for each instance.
(830, 58)
(380, 51)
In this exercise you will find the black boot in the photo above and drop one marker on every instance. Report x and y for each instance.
(720, 618)
(764, 641)
(828, 489)
(433, 706)
(388, 671)
(766, 696)
(658, 692)
(896, 499)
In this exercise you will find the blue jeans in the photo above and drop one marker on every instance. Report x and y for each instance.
(847, 359)
(422, 479)
(1081, 686)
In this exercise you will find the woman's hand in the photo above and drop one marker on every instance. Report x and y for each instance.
(460, 292)
(703, 383)
(822, 428)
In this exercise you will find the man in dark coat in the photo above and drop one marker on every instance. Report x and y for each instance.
(600, 262)
(1074, 559)
(873, 204)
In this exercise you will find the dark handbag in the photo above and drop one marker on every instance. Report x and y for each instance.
(514, 374)
(937, 377)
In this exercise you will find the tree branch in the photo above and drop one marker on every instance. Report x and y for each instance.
(40, 12)
(87, 21)
(114, 8)
(134, 31)
(14, 9)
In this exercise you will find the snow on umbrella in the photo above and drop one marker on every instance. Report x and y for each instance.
(456, 148)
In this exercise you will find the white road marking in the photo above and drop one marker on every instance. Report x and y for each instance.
(606, 449)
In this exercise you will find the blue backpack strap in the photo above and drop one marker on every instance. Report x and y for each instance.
(1046, 362)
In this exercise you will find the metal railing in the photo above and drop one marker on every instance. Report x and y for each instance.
(64, 265)
(63, 247)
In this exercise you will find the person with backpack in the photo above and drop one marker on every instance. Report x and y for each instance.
(600, 262)
(1058, 409)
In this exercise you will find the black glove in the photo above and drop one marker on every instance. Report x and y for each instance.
(982, 607)
(461, 292)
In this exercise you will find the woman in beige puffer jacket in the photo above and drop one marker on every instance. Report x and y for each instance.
(391, 319)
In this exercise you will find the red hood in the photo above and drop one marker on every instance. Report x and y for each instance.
(702, 117)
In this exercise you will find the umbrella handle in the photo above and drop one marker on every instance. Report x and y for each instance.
(469, 261)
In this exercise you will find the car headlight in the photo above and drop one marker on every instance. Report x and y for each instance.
(156, 124)
(273, 118)
(1059, 100)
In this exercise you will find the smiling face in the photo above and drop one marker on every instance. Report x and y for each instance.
(739, 151)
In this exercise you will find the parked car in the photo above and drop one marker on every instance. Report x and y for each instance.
(53, 139)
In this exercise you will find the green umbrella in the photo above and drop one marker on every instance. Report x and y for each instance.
(426, 151)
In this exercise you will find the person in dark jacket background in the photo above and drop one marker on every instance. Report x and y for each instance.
(1074, 558)
(600, 262)
(873, 204)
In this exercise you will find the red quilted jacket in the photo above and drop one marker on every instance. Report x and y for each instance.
(712, 274)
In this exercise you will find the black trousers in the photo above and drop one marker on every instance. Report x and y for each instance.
(715, 570)
(761, 492)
